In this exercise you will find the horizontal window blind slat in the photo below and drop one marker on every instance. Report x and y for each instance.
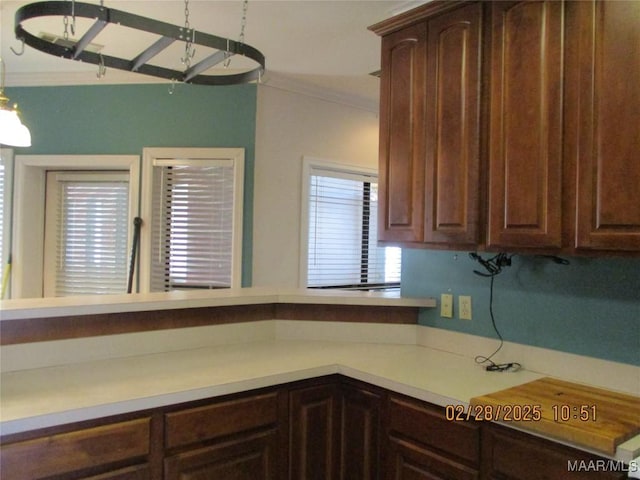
(343, 233)
(193, 229)
(92, 239)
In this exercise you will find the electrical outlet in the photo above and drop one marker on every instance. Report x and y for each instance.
(464, 304)
(446, 305)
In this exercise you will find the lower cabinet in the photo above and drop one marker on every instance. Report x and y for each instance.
(511, 455)
(335, 432)
(313, 422)
(229, 439)
(331, 428)
(423, 444)
(410, 461)
(117, 450)
(247, 457)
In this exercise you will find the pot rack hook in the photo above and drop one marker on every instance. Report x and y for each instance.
(19, 53)
(102, 70)
(172, 87)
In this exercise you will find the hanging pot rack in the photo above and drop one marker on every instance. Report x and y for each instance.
(168, 34)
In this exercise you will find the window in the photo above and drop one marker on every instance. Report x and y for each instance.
(86, 233)
(340, 230)
(31, 268)
(192, 201)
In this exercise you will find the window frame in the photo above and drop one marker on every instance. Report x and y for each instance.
(29, 203)
(157, 156)
(317, 166)
(6, 157)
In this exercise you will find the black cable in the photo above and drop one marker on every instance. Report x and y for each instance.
(492, 366)
(494, 267)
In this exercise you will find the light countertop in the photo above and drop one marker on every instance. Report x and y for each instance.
(72, 391)
(98, 304)
(49, 396)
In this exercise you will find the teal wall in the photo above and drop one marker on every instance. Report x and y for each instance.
(590, 307)
(123, 119)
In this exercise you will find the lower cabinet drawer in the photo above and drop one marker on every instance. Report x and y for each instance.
(428, 425)
(410, 461)
(138, 472)
(77, 451)
(199, 424)
(512, 455)
(245, 457)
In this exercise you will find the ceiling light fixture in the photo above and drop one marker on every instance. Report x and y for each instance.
(167, 35)
(13, 133)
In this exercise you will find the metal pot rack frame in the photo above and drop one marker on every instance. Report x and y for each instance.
(168, 35)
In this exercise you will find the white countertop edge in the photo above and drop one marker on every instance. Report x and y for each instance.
(167, 399)
(99, 304)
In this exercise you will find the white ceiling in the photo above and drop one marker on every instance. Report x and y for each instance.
(321, 46)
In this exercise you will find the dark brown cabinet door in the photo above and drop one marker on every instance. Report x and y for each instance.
(314, 432)
(526, 128)
(453, 127)
(608, 154)
(360, 434)
(402, 100)
(248, 457)
(87, 451)
(410, 461)
(511, 455)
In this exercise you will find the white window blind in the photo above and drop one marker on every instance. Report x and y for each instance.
(89, 222)
(192, 243)
(342, 237)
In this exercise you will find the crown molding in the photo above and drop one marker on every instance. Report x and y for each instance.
(283, 82)
(117, 77)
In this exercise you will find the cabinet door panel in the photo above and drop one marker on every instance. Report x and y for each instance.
(220, 418)
(608, 215)
(250, 457)
(525, 173)
(510, 455)
(408, 461)
(360, 434)
(75, 451)
(401, 172)
(314, 439)
(453, 126)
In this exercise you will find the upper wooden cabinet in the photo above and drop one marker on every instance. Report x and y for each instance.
(525, 133)
(401, 175)
(452, 127)
(429, 130)
(607, 113)
(525, 153)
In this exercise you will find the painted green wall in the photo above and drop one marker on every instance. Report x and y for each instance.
(590, 307)
(123, 119)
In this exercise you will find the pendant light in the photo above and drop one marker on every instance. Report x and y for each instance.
(13, 133)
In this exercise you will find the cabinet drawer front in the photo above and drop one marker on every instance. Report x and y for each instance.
(409, 461)
(249, 457)
(138, 472)
(224, 418)
(428, 425)
(511, 455)
(75, 451)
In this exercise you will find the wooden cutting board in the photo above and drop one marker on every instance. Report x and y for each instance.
(591, 417)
